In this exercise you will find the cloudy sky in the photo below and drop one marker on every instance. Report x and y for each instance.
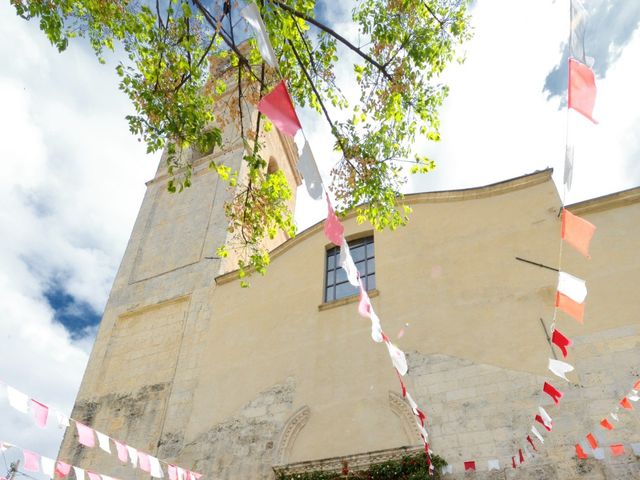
(73, 177)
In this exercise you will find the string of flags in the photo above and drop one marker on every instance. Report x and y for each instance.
(87, 437)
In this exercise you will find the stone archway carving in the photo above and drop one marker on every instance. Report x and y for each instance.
(403, 411)
(291, 429)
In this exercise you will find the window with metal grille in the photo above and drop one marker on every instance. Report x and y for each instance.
(336, 285)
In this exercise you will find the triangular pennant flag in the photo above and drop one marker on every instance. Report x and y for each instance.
(143, 462)
(606, 424)
(493, 464)
(617, 449)
(582, 89)
(62, 419)
(398, 358)
(571, 308)
(93, 476)
(561, 341)
(469, 466)
(333, 229)
(580, 451)
(278, 108)
(531, 443)
(577, 232)
(103, 442)
(62, 469)
(156, 470)
(535, 431)
(560, 368)
(31, 461)
(41, 412)
(568, 166)
(173, 472)
(573, 287)
(85, 435)
(309, 171)
(592, 441)
(521, 456)
(252, 15)
(133, 455)
(554, 393)
(79, 473)
(346, 262)
(48, 466)
(122, 451)
(625, 403)
(17, 399)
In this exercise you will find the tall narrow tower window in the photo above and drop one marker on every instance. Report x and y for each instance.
(336, 284)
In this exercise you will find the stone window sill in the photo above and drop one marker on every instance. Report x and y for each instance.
(346, 300)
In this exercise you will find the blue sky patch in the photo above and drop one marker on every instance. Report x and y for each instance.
(75, 316)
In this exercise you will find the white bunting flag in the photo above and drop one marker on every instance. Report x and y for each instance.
(598, 453)
(17, 399)
(573, 287)
(79, 473)
(309, 170)
(633, 397)
(133, 456)
(615, 416)
(545, 417)
(398, 358)
(568, 166)
(103, 442)
(156, 470)
(423, 431)
(636, 448)
(63, 420)
(48, 466)
(559, 368)
(535, 431)
(346, 262)
(252, 15)
(447, 469)
(412, 403)
(376, 329)
(181, 473)
(4, 446)
(493, 465)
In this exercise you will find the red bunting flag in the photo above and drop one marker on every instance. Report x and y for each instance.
(531, 443)
(554, 393)
(62, 469)
(580, 451)
(41, 412)
(521, 456)
(617, 449)
(31, 461)
(468, 466)
(606, 424)
(571, 308)
(582, 89)
(626, 404)
(539, 420)
(577, 232)
(333, 229)
(592, 441)
(278, 108)
(561, 342)
(513, 462)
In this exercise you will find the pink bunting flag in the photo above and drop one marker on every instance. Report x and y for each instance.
(122, 451)
(582, 89)
(469, 466)
(278, 108)
(31, 461)
(93, 476)
(553, 392)
(41, 413)
(568, 306)
(62, 469)
(85, 435)
(561, 341)
(333, 229)
(143, 461)
(173, 472)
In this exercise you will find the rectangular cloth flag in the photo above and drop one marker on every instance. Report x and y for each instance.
(553, 392)
(345, 260)
(173, 472)
(580, 451)
(561, 341)
(469, 466)
(577, 232)
(278, 108)
(493, 464)
(560, 368)
(62, 419)
(606, 424)
(252, 15)
(592, 441)
(143, 462)
(31, 461)
(624, 403)
(17, 399)
(582, 89)
(94, 476)
(545, 417)
(568, 166)
(535, 431)
(578, 21)
(133, 455)
(398, 358)
(122, 451)
(41, 412)
(79, 473)
(103, 442)
(85, 435)
(48, 466)
(62, 469)
(617, 449)
(573, 287)
(309, 170)
(333, 229)
(571, 308)
(156, 470)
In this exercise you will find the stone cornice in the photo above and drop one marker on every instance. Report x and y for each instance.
(606, 202)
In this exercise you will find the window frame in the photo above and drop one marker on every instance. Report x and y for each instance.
(366, 240)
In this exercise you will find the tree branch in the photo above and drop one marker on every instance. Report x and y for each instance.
(335, 35)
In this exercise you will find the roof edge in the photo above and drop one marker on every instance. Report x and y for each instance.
(606, 202)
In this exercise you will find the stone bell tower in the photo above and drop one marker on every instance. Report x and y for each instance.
(139, 382)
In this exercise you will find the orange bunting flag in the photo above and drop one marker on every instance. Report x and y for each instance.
(606, 424)
(553, 392)
(592, 441)
(580, 451)
(571, 308)
(582, 89)
(617, 449)
(637, 385)
(577, 232)
(625, 403)
(278, 108)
